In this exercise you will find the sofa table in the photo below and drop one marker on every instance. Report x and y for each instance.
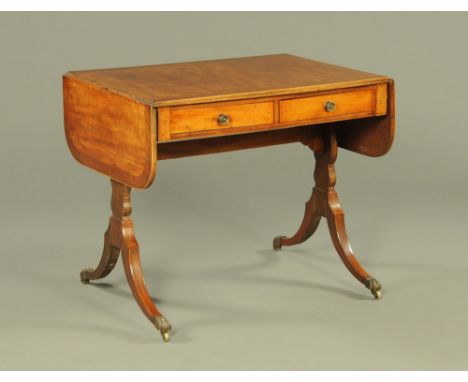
(122, 121)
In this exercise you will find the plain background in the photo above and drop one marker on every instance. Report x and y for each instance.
(205, 226)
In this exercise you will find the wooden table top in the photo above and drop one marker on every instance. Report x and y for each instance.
(226, 79)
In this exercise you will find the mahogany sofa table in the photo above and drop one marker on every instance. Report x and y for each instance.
(122, 121)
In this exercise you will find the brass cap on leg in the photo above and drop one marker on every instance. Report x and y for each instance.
(164, 327)
(277, 243)
(84, 275)
(374, 286)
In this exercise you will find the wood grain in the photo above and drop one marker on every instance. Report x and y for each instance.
(193, 118)
(121, 121)
(164, 124)
(198, 121)
(324, 203)
(370, 136)
(226, 79)
(110, 133)
(381, 99)
(120, 238)
(202, 146)
(354, 103)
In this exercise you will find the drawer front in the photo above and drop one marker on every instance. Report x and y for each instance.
(215, 117)
(346, 104)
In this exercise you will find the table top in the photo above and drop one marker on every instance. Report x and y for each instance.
(225, 79)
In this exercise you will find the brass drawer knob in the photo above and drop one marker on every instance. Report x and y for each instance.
(223, 119)
(330, 106)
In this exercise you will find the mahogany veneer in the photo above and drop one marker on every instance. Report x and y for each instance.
(121, 121)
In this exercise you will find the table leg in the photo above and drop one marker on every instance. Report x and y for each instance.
(110, 255)
(120, 237)
(324, 202)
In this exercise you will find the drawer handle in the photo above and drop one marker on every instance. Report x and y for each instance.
(330, 106)
(223, 119)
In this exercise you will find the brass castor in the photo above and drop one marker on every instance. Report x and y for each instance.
(374, 286)
(84, 279)
(277, 243)
(164, 327)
